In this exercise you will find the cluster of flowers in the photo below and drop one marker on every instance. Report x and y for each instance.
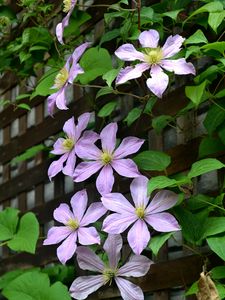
(79, 142)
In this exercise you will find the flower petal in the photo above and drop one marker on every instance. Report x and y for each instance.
(172, 45)
(86, 150)
(79, 204)
(125, 167)
(149, 38)
(118, 203)
(88, 236)
(117, 223)
(78, 52)
(67, 249)
(60, 99)
(82, 123)
(108, 137)
(89, 136)
(85, 169)
(178, 66)
(105, 180)
(74, 71)
(63, 213)
(83, 286)
(131, 72)
(127, 52)
(128, 146)
(94, 212)
(158, 81)
(137, 266)
(56, 166)
(51, 103)
(128, 290)
(162, 201)
(112, 247)
(70, 164)
(58, 148)
(88, 260)
(163, 222)
(56, 234)
(139, 191)
(69, 129)
(138, 236)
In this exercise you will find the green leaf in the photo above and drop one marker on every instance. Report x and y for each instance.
(22, 96)
(104, 91)
(210, 145)
(197, 38)
(214, 118)
(159, 123)
(217, 245)
(110, 76)
(152, 160)
(36, 36)
(27, 235)
(215, 19)
(95, 62)
(157, 242)
(160, 182)
(110, 35)
(213, 225)
(133, 115)
(195, 93)
(221, 290)
(8, 223)
(217, 46)
(218, 273)
(29, 153)
(172, 14)
(193, 289)
(107, 109)
(24, 106)
(204, 166)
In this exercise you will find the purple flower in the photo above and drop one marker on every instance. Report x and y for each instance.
(141, 214)
(65, 77)
(68, 8)
(154, 58)
(107, 159)
(137, 266)
(75, 223)
(67, 146)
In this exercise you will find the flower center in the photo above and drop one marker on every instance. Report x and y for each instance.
(106, 158)
(61, 78)
(66, 5)
(68, 144)
(108, 275)
(140, 212)
(153, 55)
(73, 224)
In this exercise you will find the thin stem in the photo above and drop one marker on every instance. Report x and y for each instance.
(3, 243)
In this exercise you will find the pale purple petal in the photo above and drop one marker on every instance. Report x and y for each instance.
(118, 203)
(117, 223)
(82, 123)
(125, 167)
(58, 148)
(89, 136)
(163, 222)
(138, 236)
(158, 81)
(94, 212)
(149, 38)
(83, 286)
(137, 266)
(63, 213)
(85, 169)
(56, 166)
(128, 290)
(178, 66)
(128, 146)
(69, 128)
(88, 260)
(79, 204)
(112, 247)
(51, 102)
(78, 52)
(86, 150)
(162, 201)
(60, 99)
(172, 45)
(67, 249)
(139, 191)
(130, 72)
(88, 236)
(105, 180)
(56, 234)
(108, 137)
(127, 52)
(74, 71)
(70, 164)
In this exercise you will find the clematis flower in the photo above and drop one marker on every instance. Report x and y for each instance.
(75, 225)
(139, 215)
(66, 77)
(154, 58)
(107, 159)
(137, 266)
(68, 8)
(66, 147)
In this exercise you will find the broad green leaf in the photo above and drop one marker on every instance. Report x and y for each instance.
(62, 273)
(36, 36)
(133, 115)
(214, 118)
(172, 14)
(192, 50)
(209, 74)
(193, 289)
(217, 245)
(24, 106)
(152, 160)
(159, 123)
(107, 109)
(110, 35)
(215, 19)
(204, 166)
(8, 223)
(218, 272)
(221, 290)
(95, 62)
(210, 145)
(110, 76)
(157, 242)
(160, 182)
(213, 225)
(217, 46)
(77, 18)
(195, 93)
(58, 291)
(104, 91)
(27, 235)
(29, 153)
(197, 38)
(22, 96)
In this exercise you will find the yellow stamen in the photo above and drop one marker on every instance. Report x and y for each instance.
(67, 5)
(153, 55)
(61, 78)
(68, 144)
(73, 224)
(108, 275)
(140, 212)
(106, 158)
